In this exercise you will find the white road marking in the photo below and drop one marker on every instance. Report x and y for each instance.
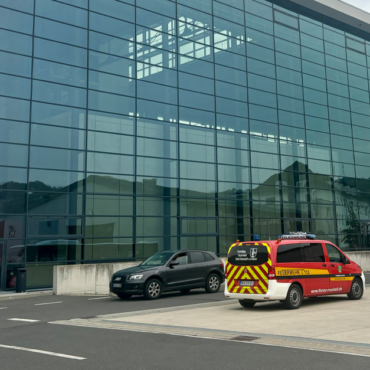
(43, 352)
(42, 304)
(91, 299)
(26, 320)
(3, 308)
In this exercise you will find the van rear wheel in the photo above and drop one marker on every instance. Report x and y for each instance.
(246, 304)
(294, 297)
(357, 290)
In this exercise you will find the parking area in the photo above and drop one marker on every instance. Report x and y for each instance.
(58, 332)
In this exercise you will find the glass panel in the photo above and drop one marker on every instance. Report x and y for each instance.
(14, 109)
(61, 12)
(14, 132)
(58, 94)
(12, 202)
(13, 178)
(110, 163)
(44, 226)
(61, 53)
(60, 32)
(57, 137)
(57, 159)
(13, 155)
(56, 181)
(58, 116)
(15, 64)
(59, 73)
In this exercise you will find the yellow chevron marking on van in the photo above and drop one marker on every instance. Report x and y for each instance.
(252, 273)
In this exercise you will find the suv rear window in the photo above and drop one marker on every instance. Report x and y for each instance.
(248, 255)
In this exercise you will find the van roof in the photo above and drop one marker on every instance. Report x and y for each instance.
(274, 242)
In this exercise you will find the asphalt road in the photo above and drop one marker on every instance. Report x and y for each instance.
(117, 349)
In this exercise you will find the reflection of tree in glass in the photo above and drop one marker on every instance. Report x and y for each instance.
(350, 234)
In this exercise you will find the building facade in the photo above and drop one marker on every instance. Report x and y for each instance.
(128, 127)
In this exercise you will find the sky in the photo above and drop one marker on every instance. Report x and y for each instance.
(362, 4)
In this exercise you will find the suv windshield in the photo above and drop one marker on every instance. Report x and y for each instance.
(158, 259)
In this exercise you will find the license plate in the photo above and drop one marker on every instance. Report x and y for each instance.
(246, 283)
(116, 285)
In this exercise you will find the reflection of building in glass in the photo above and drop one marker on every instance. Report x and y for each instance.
(131, 127)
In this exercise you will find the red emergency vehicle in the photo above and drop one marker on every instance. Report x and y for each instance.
(289, 269)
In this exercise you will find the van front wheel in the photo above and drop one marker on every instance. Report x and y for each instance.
(357, 290)
(294, 297)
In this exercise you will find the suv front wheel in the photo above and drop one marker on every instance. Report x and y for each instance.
(153, 289)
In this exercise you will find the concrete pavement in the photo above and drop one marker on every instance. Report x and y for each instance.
(332, 318)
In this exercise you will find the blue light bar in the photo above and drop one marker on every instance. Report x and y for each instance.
(297, 235)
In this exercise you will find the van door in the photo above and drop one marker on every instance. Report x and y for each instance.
(317, 282)
(247, 268)
(340, 279)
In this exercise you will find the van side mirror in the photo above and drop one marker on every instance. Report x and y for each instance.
(346, 260)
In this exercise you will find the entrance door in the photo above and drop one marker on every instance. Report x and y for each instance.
(2, 264)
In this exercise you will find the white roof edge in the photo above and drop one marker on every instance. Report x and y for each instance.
(340, 11)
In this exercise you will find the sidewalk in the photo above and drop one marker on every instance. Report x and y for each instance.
(333, 318)
(4, 295)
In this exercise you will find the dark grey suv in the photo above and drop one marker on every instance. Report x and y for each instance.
(169, 271)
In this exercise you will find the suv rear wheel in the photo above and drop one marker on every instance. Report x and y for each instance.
(357, 290)
(213, 283)
(294, 297)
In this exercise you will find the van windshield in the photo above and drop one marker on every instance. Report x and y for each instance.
(248, 255)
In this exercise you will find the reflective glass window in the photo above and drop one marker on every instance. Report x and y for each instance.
(15, 64)
(113, 143)
(16, 21)
(58, 159)
(15, 42)
(110, 26)
(14, 132)
(58, 115)
(61, 53)
(111, 123)
(111, 45)
(197, 170)
(23, 5)
(111, 103)
(59, 73)
(157, 129)
(156, 167)
(110, 83)
(165, 94)
(160, 111)
(58, 94)
(60, 32)
(17, 87)
(13, 155)
(61, 12)
(194, 152)
(110, 163)
(13, 178)
(56, 181)
(113, 64)
(14, 109)
(157, 148)
(57, 137)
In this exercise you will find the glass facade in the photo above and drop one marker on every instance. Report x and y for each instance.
(128, 127)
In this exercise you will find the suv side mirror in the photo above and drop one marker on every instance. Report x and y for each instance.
(172, 264)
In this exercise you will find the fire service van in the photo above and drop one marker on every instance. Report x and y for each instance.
(289, 269)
